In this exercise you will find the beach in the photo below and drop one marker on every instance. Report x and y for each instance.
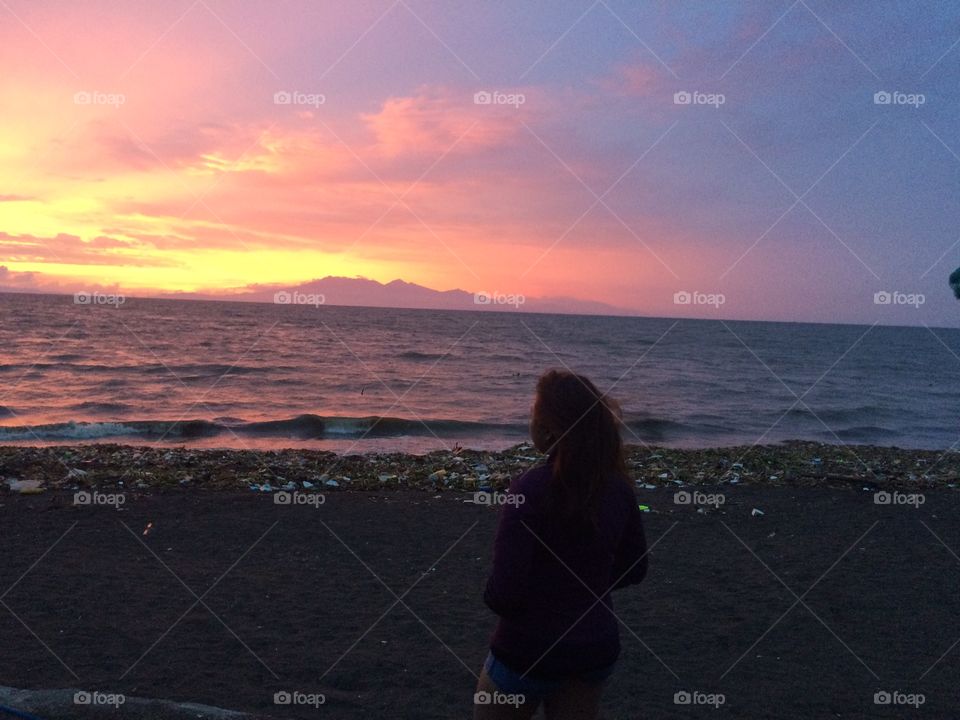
(795, 597)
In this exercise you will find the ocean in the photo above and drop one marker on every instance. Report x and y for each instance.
(244, 375)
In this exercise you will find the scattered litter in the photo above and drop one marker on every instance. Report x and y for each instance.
(644, 508)
(756, 512)
(147, 529)
(25, 487)
(792, 464)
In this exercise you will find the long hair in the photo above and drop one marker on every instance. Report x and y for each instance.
(580, 427)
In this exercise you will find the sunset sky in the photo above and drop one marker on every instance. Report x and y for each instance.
(147, 147)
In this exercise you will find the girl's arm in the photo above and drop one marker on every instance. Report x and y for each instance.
(507, 590)
(630, 563)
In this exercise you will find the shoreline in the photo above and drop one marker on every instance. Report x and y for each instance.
(792, 464)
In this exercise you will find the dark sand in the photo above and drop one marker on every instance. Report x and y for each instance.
(287, 591)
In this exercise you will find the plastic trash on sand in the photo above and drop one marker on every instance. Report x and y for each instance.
(25, 487)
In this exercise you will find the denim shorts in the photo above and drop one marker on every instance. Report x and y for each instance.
(513, 683)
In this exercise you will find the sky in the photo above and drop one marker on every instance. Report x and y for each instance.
(775, 160)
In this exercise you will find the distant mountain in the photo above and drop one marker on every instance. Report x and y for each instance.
(363, 292)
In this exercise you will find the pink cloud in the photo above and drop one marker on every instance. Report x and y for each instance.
(66, 248)
(638, 79)
(433, 122)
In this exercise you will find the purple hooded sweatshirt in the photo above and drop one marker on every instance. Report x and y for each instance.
(547, 578)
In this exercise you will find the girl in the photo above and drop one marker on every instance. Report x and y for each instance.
(569, 533)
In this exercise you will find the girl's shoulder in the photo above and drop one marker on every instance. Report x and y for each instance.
(532, 477)
(532, 483)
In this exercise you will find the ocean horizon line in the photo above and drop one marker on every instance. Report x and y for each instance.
(479, 310)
